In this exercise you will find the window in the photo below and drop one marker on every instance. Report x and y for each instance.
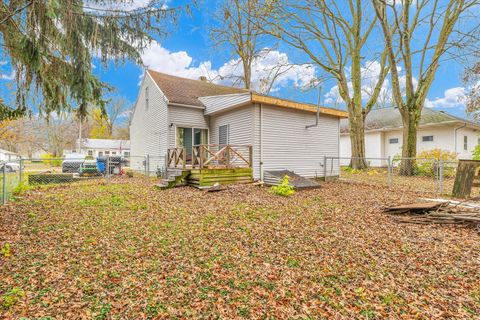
(146, 98)
(224, 134)
(393, 140)
(107, 153)
(427, 138)
(114, 153)
(90, 152)
(100, 153)
(126, 153)
(465, 143)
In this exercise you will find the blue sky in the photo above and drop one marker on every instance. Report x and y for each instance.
(188, 51)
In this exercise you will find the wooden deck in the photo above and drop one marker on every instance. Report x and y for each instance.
(211, 164)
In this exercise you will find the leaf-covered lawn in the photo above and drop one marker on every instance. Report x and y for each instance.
(127, 251)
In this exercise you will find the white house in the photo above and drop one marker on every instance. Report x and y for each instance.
(6, 155)
(173, 112)
(103, 147)
(437, 129)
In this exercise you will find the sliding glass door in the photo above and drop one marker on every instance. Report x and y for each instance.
(188, 137)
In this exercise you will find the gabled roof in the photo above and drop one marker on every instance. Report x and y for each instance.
(187, 91)
(7, 152)
(390, 118)
(105, 144)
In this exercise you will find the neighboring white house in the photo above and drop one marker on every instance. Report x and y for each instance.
(6, 155)
(102, 147)
(437, 129)
(177, 112)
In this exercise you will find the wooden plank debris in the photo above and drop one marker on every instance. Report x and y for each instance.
(435, 213)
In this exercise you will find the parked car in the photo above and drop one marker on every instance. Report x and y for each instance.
(72, 162)
(89, 168)
(10, 167)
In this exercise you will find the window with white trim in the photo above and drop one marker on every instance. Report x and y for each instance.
(393, 140)
(224, 134)
(465, 143)
(427, 138)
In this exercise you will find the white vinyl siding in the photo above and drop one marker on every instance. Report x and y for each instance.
(148, 128)
(288, 145)
(185, 117)
(217, 104)
(240, 125)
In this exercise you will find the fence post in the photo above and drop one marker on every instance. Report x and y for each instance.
(107, 168)
(435, 165)
(4, 196)
(324, 168)
(147, 167)
(389, 172)
(20, 171)
(440, 174)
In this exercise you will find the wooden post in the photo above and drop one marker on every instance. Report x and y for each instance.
(227, 149)
(184, 159)
(200, 156)
(250, 156)
(466, 178)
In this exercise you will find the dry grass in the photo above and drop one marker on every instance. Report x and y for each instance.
(127, 251)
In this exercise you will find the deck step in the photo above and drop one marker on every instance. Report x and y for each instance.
(175, 178)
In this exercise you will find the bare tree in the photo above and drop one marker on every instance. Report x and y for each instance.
(116, 108)
(238, 29)
(421, 31)
(334, 38)
(472, 79)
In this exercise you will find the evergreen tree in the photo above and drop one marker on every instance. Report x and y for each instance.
(51, 43)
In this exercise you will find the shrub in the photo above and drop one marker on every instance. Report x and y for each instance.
(284, 189)
(476, 153)
(429, 168)
(51, 160)
(10, 298)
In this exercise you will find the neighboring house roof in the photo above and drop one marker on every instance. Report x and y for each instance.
(390, 118)
(189, 92)
(105, 144)
(7, 152)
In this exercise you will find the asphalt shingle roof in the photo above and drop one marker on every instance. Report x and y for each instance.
(187, 91)
(390, 118)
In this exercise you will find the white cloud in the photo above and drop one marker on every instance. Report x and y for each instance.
(264, 67)
(122, 5)
(4, 76)
(452, 98)
(370, 73)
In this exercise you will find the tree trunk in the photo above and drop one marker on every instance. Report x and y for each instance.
(357, 138)
(409, 146)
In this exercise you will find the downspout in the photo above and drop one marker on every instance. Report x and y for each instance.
(318, 110)
(261, 142)
(455, 135)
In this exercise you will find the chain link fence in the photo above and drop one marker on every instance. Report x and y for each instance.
(19, 174)
(417, 174)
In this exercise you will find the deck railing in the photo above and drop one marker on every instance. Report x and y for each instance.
(211, 156)
(177, 158)
(222, 156)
